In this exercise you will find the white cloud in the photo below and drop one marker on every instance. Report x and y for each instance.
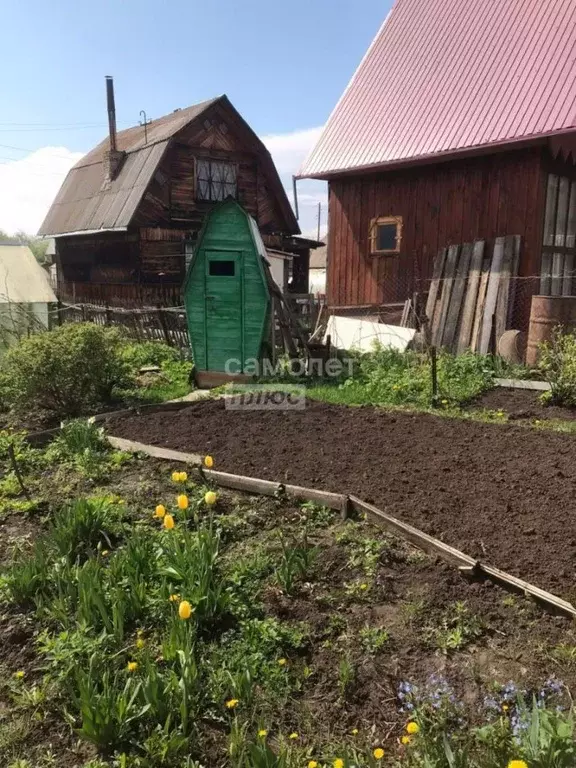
(29, 185)
(289, 150)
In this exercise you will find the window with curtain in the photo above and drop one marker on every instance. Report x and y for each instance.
(215, 180)
(559, 242)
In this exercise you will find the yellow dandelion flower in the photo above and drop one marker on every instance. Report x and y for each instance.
(517, 764)
(168, 522)
(293, 736)
(354, 731)
(160, 511)
(182, 501)
(185, 610)
(405, 740)
(132, 666)
(338, 763)
(232, 703)
(210, 498)
(505, 707)
(282, 662)
(378, 753)
(262, 733)
(140, 643)
(363, 587)
(412, 728)
(312, 764)
(176, 477)
(174, 598)
(183, 477)
(208, 462)
(20, 674)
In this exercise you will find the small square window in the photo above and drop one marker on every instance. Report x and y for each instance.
(222, 268)
(386, 234)
(215, 180)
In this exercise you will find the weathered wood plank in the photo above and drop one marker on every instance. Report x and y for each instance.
(471, 298)
(546, 274)
(438, 270)
(568, 272)
(557, 274)
(557, 604)
(517, 244)
(327, 499)
(155, 451)
(455, 308)
(491, 296)
(504, 287)
(447, 282)
(479, 312)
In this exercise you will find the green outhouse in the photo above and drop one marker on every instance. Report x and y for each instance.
(226, 295)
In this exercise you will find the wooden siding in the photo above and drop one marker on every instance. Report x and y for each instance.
(441, 205)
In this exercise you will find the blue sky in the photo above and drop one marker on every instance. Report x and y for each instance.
(283, 65)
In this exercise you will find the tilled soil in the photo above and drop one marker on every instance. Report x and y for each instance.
(502, 493)
(522, 404)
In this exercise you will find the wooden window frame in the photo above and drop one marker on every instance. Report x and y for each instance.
(210, 159)
(373, 235)
(559, 236)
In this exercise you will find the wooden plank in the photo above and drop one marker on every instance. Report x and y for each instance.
(504, 287)
(243, 483)
(567, 276)
(540, 386)
(419, 538)
(155, 451)
(406, 313)
(557, 274)
(471, 298)
(546, 274)
(491, 296)
(327, 499)
(447, 282)
(517, 244)
(439, 262)
(455, 308)
(479, 312)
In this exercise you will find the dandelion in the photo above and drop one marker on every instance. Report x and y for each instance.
(210, 498)
(505, 707)
(405, 740)
(208, 462)
(232, 703)
(20, 674)
(354, 731)
(182, 501)
(262, 733)
(517, 764)
(293, 736)
(104, 553)
(140, 643)
(168, 522)
(363, 587)
(282, 662)
(338, 763)
(378, 753)
(312, 764)
(183, 477)
(412, 728)
(132, 666)
(174, 598)
(176, 477)
(185, 610)
(160, 511)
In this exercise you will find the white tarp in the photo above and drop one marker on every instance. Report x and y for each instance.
(354, 333)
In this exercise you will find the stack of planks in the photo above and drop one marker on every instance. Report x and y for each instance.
(472, 293)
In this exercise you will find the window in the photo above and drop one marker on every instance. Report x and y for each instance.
(559, 242)
(222, 269)
(386, 234)
(215, 180)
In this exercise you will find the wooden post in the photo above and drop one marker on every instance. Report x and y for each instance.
(162, 321)
(434, 372)
(108, 315)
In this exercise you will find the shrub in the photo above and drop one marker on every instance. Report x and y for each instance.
(139, 354)
(558, 364)
(67, 371)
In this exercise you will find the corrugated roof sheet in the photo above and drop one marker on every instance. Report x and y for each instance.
(443, 76)
(22, 279)
(86, 203)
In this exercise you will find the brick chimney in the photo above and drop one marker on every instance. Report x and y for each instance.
(113, 158)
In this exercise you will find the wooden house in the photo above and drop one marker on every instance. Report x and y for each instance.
(459, 124)
(128, 214)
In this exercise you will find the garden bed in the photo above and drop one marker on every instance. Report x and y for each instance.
(522, 405)
(498, 492)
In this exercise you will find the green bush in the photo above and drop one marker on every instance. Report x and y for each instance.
(558, 364)
(139, 354)
(67, 371)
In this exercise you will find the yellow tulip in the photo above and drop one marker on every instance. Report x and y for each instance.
(184, 610)
(160, 510)
(168, 522)
(208, 462)
(210, 498)
(182, 501)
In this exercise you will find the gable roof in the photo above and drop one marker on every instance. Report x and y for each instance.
(22, 279)
(446, 76)
(86, 203)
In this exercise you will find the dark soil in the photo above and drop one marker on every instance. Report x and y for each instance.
(522, 404)
(502, 493)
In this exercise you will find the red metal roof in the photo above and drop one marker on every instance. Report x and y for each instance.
(444, 76)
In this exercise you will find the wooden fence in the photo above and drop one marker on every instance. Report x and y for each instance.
(165, 324)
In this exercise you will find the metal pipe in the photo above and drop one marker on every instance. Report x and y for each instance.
(111, 112)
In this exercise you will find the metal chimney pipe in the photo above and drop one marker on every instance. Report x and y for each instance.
(111, 112)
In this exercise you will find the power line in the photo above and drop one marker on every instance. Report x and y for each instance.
(22, 149)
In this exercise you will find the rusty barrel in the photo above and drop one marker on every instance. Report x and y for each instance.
(546, 313)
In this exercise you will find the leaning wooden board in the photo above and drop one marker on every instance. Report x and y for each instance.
(447, 282)
(491, 296)
(471, 298)
(455, 308)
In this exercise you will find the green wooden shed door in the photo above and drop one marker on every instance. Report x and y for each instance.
(223, 296)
